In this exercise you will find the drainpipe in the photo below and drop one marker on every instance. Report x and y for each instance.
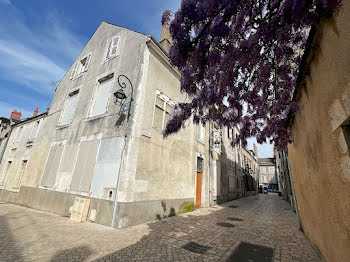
(209, 190)
(294, 196)
(3, 150)
(115, 204)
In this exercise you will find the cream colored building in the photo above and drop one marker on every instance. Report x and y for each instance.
(267, 173)
(319, 155)
(91, 145)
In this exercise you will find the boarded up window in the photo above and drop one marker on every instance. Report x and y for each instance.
(201, 132)
(101, 97)
(85, 165)
(158, 114)
(52, 166)
(162, 111)
(18, 136)
(70, 106)
(35, 130)
(107, 166)
(19, 176)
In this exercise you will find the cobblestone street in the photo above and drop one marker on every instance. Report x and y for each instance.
(264, 220)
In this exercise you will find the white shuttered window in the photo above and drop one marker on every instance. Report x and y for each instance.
(113, 47)
(81, 66)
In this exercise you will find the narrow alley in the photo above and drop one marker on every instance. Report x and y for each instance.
(257, 228)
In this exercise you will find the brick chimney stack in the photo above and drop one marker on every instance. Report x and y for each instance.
(165, 37)
(36, 111)
(16, 115)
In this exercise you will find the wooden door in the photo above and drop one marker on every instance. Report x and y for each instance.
(199, 189)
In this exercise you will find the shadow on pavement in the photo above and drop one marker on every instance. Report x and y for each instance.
(9, 250)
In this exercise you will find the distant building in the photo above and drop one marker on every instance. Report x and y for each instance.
(5, 129)
(267, 173)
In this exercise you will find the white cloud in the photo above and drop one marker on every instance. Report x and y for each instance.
(33, 58)
(26, 66)
(6, 2)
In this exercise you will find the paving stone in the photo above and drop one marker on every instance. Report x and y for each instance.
(265, 220)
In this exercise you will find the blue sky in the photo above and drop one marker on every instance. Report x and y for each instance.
(39, 40)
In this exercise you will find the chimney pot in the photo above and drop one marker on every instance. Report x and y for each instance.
(16, 115)
(36, 111)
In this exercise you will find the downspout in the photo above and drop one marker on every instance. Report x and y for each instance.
(209, 190)
(294, 196)
(115, 204)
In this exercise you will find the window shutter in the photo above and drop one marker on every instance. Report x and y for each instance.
(108, 49)
(74, 70)
(69, 110)
(114, 46)
(87, 63)
(101, 98)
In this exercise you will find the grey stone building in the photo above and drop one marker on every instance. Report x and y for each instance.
(99, 150)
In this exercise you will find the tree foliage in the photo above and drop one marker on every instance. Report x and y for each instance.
(239, 62)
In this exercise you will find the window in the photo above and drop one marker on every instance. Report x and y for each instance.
(199, 164)
(19, 177)
(264, 179)
(18, 137)
(271, 170)
(34, 132)
(85, 166)
(201, 132)
(162, 111)
(113, 47)
(262, 169)
(52, 165)
(101, 97)
(69, 108)
(81, 66)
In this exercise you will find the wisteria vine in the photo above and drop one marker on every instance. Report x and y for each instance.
(239, 62)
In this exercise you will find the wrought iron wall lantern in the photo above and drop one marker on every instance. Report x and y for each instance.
(121, 97)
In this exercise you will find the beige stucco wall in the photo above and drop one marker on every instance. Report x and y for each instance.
(166, 168)
(319, 156)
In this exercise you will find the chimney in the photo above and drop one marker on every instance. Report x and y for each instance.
(16, 115)
(36, 111)
(165, 37)
(255, 149)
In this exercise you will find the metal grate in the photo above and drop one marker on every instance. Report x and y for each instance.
(233, 206)
(234, 219)
(224, 224)
(250, 252)
(196, 248)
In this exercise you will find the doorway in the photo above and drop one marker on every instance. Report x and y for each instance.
(199, 181)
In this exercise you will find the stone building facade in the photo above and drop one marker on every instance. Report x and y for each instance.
(267, 173)
(102, 141)
(320, 153)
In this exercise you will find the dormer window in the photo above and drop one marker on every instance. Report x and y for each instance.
(81, 66)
